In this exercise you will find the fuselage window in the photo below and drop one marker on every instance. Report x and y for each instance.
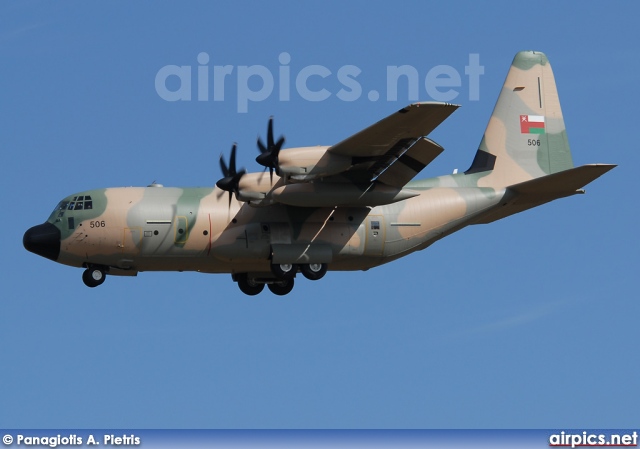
(71, 223)
(375, 225)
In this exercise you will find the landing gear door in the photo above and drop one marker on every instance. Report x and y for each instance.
(375, 231)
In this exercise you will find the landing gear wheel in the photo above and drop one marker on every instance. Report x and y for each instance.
(93, 276)
(282, 288)
(314, 271)
(249, 286)
(284, 271)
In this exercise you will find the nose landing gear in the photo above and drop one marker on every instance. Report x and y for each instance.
(94, 276)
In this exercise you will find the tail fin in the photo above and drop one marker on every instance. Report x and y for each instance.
(526, 137)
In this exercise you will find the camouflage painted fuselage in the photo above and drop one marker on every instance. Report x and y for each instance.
(195, 229)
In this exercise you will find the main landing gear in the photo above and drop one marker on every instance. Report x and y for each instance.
(94, 276)
(281, 281)
(314, 271)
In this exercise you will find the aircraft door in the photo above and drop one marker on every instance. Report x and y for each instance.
(374, 235)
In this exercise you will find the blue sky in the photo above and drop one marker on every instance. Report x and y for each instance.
(525, 323)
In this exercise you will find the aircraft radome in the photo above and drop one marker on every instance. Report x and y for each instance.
(347, 207)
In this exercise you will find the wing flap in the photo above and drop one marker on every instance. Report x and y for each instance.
(408, 165)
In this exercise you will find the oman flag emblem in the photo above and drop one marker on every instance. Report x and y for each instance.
(532, 124)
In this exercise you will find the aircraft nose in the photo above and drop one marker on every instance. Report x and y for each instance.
(43, 240)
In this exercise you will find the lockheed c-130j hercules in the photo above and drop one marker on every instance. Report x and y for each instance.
(350, 206)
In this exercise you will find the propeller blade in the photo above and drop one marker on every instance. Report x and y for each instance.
(261, 146)
(232, 160)
(270, 132)
(231, 180)
(268, 157)
(280, 142)
(223, 166)
(261, 175)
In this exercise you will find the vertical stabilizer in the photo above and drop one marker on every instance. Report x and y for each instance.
(526, 136)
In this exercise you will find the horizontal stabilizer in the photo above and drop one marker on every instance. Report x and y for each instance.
(535, 192)
(563, 183)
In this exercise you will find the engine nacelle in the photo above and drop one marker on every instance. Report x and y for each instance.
(309, 163)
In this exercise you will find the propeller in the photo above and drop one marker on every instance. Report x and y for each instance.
(230, 182)
(268, 157)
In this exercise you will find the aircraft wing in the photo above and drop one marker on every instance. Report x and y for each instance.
(393, 150)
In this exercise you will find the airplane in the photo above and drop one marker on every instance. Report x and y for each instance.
(346, 207)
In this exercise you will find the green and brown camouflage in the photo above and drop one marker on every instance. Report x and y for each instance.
(350, 206)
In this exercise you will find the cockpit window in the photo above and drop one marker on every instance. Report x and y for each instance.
(61, 207)
(80, 203)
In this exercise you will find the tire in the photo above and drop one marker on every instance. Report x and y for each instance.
(249, 286)
(282, 288)
(284, 271)
(93, 276)
(314, 271)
